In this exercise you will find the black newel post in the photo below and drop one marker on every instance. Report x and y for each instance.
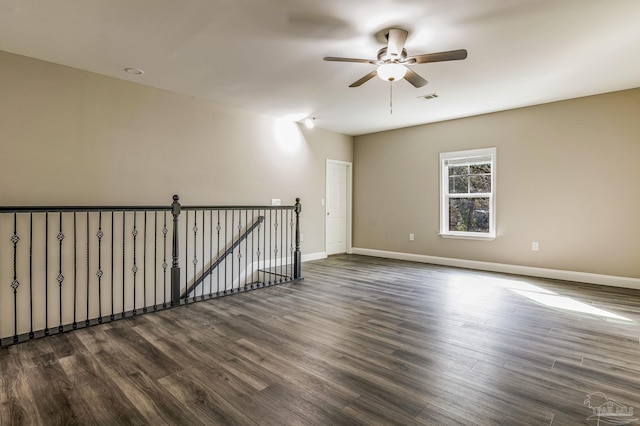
(175, 266)
(297, 256)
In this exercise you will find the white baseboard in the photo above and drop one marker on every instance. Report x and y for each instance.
(314, 256)
(557, 274)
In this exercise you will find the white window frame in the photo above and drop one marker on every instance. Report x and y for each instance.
(468, 157)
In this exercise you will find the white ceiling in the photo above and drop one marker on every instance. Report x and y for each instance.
(266, 55)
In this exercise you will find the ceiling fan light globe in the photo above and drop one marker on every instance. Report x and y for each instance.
(391, 72)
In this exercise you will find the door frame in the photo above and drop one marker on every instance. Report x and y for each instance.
(349, 195)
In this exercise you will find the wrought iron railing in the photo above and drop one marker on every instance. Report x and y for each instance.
(72, 267)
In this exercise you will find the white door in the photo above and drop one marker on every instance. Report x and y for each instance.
(336, 223)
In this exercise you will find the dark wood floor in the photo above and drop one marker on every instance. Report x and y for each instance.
(360, 341)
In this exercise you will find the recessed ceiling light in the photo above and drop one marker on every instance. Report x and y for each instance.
(134, 71)
(309, 122)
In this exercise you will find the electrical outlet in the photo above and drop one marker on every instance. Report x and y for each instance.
(412, 237)
(535, 246)
(301, 237)
(275, 202)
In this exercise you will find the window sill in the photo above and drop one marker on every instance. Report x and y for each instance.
(479, 237)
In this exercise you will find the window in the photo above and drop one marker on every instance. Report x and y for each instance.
(467, 194)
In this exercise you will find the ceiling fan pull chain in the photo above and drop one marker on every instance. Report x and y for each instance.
(390, 97)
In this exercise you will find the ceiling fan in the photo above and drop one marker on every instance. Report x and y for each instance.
(393, 60)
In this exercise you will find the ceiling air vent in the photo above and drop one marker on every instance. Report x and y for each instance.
(429, 96)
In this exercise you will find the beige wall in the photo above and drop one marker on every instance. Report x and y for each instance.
(567, 177)
(566, 171)
(72, 137)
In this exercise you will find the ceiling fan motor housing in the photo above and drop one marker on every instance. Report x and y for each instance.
(387, 58)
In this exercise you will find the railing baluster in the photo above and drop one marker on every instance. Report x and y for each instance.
(134, 268)
(155, 261)
(265, 250)
(86, 320)
(112, 315)
(195, 250)
(225, 244)
(60, 276)
(15, 283)
(283, 251)
(124, 265)
(270, 246)
(274, 247)
(277, 253)
(239, 248)
(144, 265)
(46, 273)
(218, 258)
(285, 241)
(283, 225)
(253, 248)
(165, 231)
(75, 272)
(210, 250)
(31, 334)
(274, 253)
(203, 258)
(261, 251)
(246, 250)
(258, 252)
(100, 234)
(233, 218)
(264, 247)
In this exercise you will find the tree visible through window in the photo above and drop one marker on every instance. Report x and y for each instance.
(467, 193)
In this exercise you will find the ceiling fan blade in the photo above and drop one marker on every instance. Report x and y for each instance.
(414, 79)
(364, 79)
(365, 61)
(395, 42)
(451, 55)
